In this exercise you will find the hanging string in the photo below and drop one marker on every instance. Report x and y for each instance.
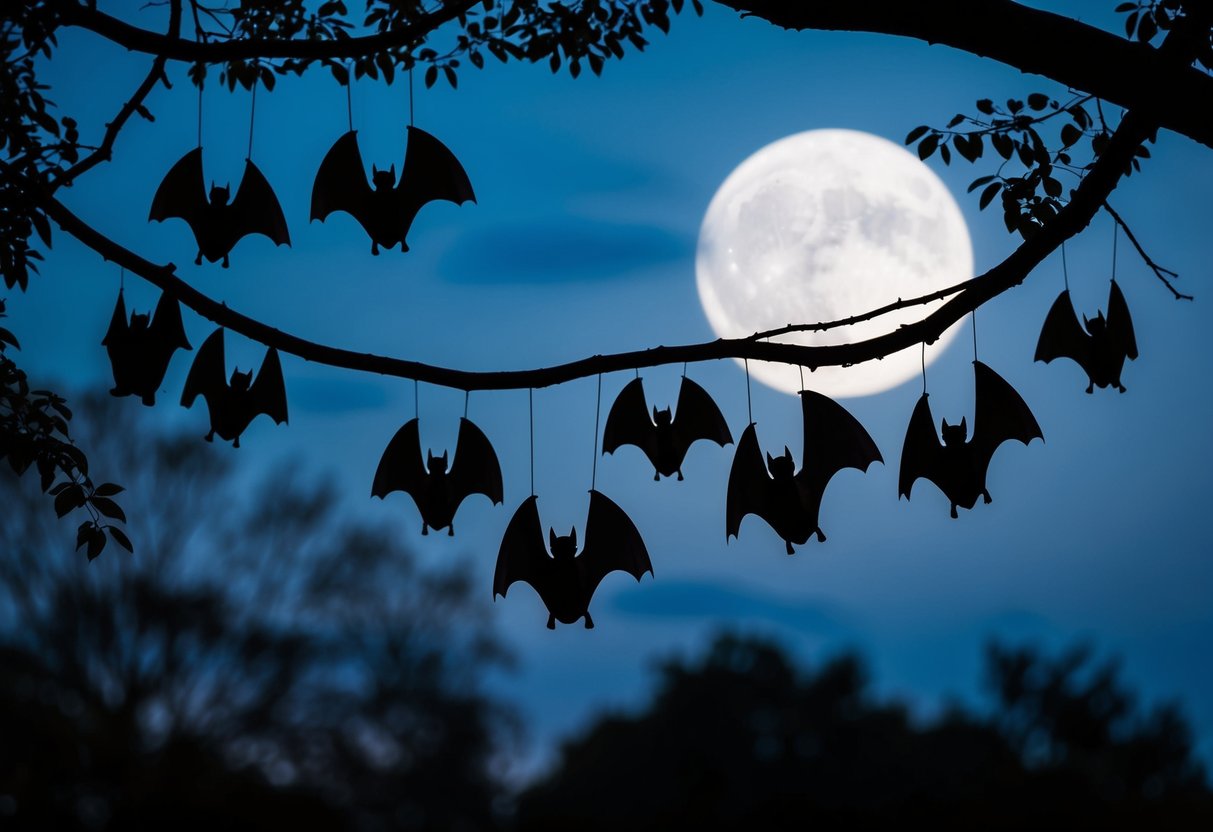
(1065, 272)
(410, 96)
(801, 368)
(684, 369)
(121, 278)
(1115, 234)
(530, 399)
(200, 114)
(349, 100)
(416, 400)
(252, 118)
(637, 372)
(924, 368)
(749, 408)
(973, 314)
(467, 394)
(597, 416)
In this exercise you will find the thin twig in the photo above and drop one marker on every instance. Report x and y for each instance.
(1159, 271)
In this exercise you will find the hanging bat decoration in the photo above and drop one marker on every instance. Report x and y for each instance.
(565, 580)
(386, 207)
(233, 405)
(958, 465)
(218, 224)
(665, 437)
(1101, 350)
(437, 491)
(773, 490)
(140, 349)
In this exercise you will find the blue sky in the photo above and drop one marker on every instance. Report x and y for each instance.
(590, 194)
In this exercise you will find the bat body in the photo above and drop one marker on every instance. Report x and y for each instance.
(218, 224)
(438, 492)
(666, 436)
(789, 501)
(140, 349)
(958, 465)
(384, 207)
(564, 580)
(233, 405)
(1101, 349)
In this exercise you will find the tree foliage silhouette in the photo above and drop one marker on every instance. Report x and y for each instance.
(267, 667)
(1055, 161)
(742, 739)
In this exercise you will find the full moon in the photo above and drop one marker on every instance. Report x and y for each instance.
(820, 226)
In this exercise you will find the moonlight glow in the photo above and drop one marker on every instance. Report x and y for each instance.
(822, 225)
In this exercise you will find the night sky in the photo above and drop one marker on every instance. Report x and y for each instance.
(590, 195)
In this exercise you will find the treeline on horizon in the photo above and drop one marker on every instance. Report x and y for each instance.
(270, 664)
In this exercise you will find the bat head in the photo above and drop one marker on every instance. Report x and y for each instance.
(782, 467)
(220, 196)
(383, 180)
(435, 464)
(139, 323)
(562, 547)
(662, 418)
(1096, 325)
(241, 381)
(955, 435)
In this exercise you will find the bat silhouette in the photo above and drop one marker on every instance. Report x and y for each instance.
(384, 207)
(665, 437)
(232, 405)
(140, 349)
(958, 466)
(217, 224)
(1101, 350)
(564, 580)
(437, 491)
(790, 501)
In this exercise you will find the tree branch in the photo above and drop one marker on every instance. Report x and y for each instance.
(104, 152)
(1088, 198)
(1133, 75)
(1159, 272)
(178, 49)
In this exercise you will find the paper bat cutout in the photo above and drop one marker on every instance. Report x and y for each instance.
(790, 501)
(1101, 350)
(957, 466)
(217, 224)
(664, 438)
(438, 492)
(233, 405)
(566, 583)
(139, 350)
(386, 208)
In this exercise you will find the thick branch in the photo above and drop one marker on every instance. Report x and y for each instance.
(1087, 200)
(1134, 75)
(179, 49)
(133, 105)
(1160, 272)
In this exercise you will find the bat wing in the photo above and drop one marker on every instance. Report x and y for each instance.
(999, 414)
(921, 452)
(833, 440)
(698, 417)
(400, 467)
(341, 183)
(268, 393)
(522, 556)
(1062, 336)
(118, 328)
(167, 328)
(182, 193)
(751, 489)
(208, 373)
(256, 209)
(476, 469)
(612, 542)
(628, 423)
(1120, 323)
(431, 172)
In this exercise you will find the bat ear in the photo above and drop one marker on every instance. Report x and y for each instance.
(1085, 322)
(444, 457)
(573, 536)
(964, 426)
(654, 413)
(551, 538)
(429, 456)
(374, 170)
(786, 452)
(945, 424)
(392, 170)
(770, 460)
